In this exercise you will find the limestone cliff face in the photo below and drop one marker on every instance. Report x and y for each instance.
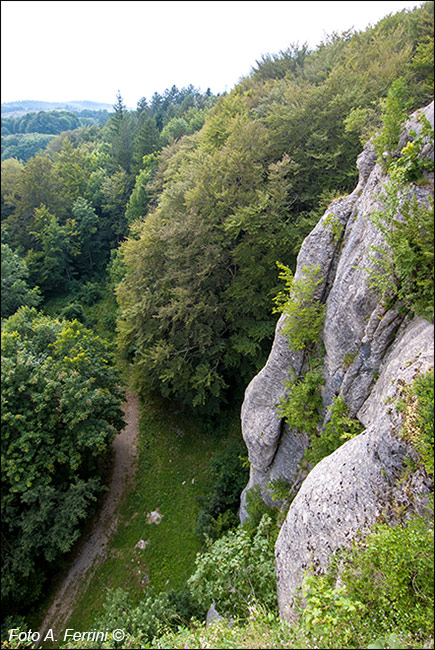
(368, 351)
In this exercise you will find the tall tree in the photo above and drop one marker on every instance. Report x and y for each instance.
(122, 128)
(61, 407)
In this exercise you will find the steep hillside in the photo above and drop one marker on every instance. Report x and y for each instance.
(372, 349)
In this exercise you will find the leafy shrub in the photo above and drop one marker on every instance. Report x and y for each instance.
(412, 164)
(403, 270)
(152, 616)
(397, 106)
(73, 311)
(302, 404)
(328, 609)
(417, 406)
(392, 572)
(220, 506)
(256, 508)
(90, 293)
(236, 570)
(339, 428)
(385, 587)
(185, 605)
(305, 315)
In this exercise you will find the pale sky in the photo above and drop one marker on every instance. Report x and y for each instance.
(64, 51)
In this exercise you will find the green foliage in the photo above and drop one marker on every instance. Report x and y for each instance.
(360, 121)
(256, 508)
(15, 292)
(328, 610)
(397, 106)
(302, 404)
(229, 477)
(385, 589)
(73, 311)
(336, 226)
(237, 570)
(90, 293)
(391, 572)
(411, 165)
(305, 314)
(403, 268)
(417, 406)
(23, 146)
(140, 197)
(51, 122)
(279, 489)
(61, 406)
(149, 618)
(338, 428)
(349, 358)
(51, 262)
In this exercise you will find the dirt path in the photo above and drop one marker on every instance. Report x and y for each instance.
(93, 550)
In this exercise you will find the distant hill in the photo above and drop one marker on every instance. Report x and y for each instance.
(17, 109)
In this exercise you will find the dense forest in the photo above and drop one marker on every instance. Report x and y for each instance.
(172, 217)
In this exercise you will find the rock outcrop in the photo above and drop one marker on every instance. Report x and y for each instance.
(369, 351)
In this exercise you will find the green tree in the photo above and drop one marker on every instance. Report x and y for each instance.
(397, 106)
(15, 291)
(86, 224)
(51, 261)
(122, 131)
(61, 406)
(115, 190)
(146, 142)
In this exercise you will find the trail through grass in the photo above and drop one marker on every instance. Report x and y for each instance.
(174, 458)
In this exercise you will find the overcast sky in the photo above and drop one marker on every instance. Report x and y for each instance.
(64, 51)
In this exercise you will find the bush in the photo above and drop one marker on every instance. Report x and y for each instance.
(339, 428)
(151, 617)
(305, 315)
(73, 311)
(220, 506)
(417, 406)
(90, 293)
(405, 269)
(237, 570)
(386, 587)
(301, 407)
(397, 106)
(256, 508)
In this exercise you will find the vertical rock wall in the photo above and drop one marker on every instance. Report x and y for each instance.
(368, 350)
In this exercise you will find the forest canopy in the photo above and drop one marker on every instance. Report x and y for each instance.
(243, 192)
(188, 202)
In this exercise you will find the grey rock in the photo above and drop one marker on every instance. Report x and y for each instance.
(347, 491)
(369, 351)
(212, 615)
(261, 425)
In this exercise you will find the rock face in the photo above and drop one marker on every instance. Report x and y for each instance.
(369, 350)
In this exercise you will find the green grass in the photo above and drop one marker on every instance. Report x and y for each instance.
(174, 458)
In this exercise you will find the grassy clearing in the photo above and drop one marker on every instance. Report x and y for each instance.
(174, 457)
